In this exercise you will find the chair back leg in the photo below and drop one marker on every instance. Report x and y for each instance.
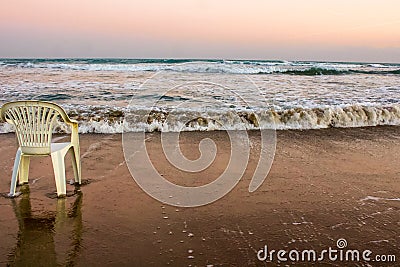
(76, 164)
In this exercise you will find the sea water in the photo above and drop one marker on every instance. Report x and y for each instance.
(191, 95)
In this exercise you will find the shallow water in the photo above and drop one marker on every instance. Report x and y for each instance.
(47, 237)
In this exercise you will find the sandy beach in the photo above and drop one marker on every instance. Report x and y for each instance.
(324, 185)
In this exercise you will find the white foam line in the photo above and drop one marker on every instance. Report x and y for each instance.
(379, 198)
(379, 241)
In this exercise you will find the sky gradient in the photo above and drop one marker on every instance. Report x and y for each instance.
(341, 30)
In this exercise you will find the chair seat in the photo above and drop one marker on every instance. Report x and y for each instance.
(59, 146)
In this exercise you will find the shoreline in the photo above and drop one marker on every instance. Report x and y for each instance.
(324, 184)
(386, 126)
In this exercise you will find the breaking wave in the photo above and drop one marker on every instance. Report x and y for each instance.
(99, 120)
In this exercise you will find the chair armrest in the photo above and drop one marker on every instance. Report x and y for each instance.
(68, 120)
(74, 131)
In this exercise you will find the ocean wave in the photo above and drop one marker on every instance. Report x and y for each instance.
(313, 71)
(249, 67)
(100, 120)
(396, 71)
(316, 71)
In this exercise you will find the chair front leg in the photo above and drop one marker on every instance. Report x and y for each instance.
(59, 172)
(24, 170)
(15, 172)
(76, 164)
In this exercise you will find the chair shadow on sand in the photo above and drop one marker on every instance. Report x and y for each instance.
(46, 237)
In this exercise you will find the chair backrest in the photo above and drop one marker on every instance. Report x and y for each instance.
(34, 122)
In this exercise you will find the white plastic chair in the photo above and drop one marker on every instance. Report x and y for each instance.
(34, 123)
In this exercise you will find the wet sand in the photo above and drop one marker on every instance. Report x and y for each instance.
(323, 185)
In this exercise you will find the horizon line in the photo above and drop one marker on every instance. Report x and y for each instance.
(199, 59)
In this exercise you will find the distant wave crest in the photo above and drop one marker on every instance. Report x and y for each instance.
(205, 66)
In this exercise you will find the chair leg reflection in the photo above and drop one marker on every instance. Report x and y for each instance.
(50, 238)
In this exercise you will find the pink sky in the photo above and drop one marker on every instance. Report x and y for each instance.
(349, 30)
